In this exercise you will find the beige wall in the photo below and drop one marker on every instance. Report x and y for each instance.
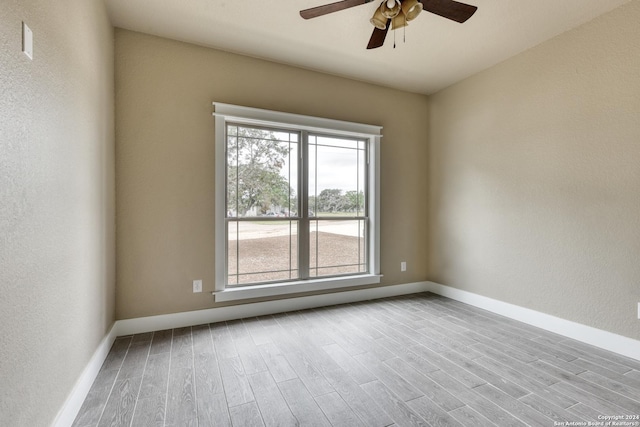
(57, 237)
(165, 162)
(535, 177)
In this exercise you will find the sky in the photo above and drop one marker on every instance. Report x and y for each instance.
(336, 165)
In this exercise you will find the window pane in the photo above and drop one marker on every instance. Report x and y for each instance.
(262, 171)
(262, 251)
(337, 177)
(337, 247)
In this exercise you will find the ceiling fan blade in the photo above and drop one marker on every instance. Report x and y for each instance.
(450, 9)
(330, 8)
(378, 36)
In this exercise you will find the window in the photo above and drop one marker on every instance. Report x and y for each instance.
(296, 203)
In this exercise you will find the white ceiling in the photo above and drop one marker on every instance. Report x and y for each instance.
(436, 54)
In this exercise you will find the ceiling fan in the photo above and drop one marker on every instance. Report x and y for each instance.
(396, 13)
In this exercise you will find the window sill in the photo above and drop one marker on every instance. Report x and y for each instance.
(259, 291)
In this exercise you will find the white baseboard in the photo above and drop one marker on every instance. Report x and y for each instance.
(72, 405)
(587, 334)
(219, 314)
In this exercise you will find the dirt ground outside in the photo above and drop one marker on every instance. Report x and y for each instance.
(269, 251)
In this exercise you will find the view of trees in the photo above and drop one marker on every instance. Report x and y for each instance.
(256, 185)
(255, 159)
(335, 201)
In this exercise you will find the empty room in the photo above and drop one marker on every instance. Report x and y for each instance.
(319, 213)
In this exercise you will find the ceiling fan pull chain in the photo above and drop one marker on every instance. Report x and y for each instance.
(394, 39)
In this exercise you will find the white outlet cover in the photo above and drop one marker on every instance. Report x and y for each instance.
(27, 41)
(197, 286)
(403, 266)
(639, 310)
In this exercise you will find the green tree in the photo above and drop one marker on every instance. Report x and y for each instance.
(330, 200)
(255, 159)
(354, 201)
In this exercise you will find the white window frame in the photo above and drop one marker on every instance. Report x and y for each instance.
(224, 113)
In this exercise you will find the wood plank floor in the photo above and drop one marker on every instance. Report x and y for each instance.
(417, 360)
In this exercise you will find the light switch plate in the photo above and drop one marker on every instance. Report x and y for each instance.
(27, 41)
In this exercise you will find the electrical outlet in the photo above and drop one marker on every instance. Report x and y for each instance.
(639, 310)
(403, 266)
(197, 286)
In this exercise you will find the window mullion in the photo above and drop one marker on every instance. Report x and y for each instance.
(303, 212)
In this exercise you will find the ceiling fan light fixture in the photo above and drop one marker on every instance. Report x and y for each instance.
(378, 20)
(411, 9)
(389, 11)
(399, 21)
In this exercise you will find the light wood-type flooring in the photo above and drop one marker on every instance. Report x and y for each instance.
(414, 360)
